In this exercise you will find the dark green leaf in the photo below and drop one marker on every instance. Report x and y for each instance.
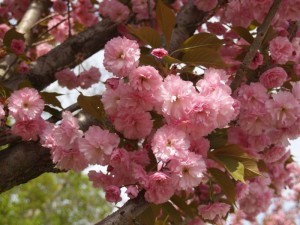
(244, 33)
(148, 216)
(50, 98)
(148, 60)
(54, 112)
(166, 20)
(207, 57)
(201, 40)
(11, 35)
(234, 167)
(92, 105)
(181, 204)
(147, 34)
(225, 183)
(173, 213)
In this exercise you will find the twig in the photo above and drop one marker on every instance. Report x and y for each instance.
(149, 13)
(261, 32)
(69, 18)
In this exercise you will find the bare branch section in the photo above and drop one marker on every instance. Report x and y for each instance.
(187, 21)
(126, 214)
(22, 162)
(261, 33)
(32, 15)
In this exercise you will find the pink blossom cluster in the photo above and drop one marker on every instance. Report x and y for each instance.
(114, 9)
(84, 13)
(189, 112)
(67, 78)
(26, 107)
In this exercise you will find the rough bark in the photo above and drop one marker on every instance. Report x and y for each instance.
(69, 54)
(22, 162)
(261, 33)
(126, 214)
(187, 21)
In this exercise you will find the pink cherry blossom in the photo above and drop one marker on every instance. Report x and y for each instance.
(284, 109)
(121, 56)
(213, 210)
(113, 194)
(98, 144)
(281, 49)
(161, 188)
(205, 5)
(68, 159)
(141, 8)
(59, 6)
(28, 130)
(134, 124)
(274, 77)
(89, 77)
(189, 169)
(67, 78)
(17, 46)
(43, 49)
(145, 78)
(169, 141)
(132, 191)
(159, 52)
(177, 97)
(115, 10)
(67, 133)
(273, 154)
(3, 29)
(25, 104)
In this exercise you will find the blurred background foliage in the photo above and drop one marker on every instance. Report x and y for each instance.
(54, 199)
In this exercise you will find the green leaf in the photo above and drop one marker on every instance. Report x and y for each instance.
(244, 33)
(50, 98)
(173, 213)
(11, 35)
(234, 167)
(251, 168)
(166, 20)
(92, 105)
(218, 138)
(54, 112)
(148, 60)
(146, 34)
(225, 183)
(237, 162)
(181, 204)
(201, 40)
(204, 56)
(148, 216)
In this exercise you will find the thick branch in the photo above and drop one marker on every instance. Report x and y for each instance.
(25, 161)
(68, 54)
(127, 214)
(187, 21)
(261, 33)
(32, 15)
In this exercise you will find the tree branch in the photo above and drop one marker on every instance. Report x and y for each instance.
(126, 214)
(71, 52)
(32, 15)
(187, 21)
(261, 33)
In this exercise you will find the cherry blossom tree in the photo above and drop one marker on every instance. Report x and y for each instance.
(194, 122)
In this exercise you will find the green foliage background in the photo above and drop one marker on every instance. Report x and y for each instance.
(54, 199)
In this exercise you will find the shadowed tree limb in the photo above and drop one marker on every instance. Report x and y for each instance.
(261, 33)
